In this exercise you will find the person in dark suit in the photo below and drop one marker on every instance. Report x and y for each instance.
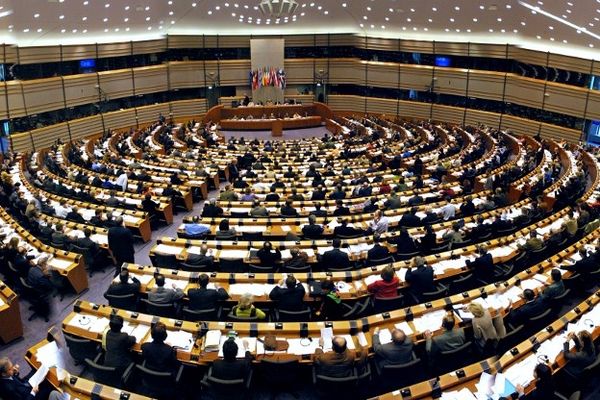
(335, 257)
(120, 243)
(297, 262)
(268, 256)
(150, 206)
(272, 196)
(288, 210)
(428, 241)
(74, 215)
(554, 289)
(211, 209)
(452, 337)
(230, 367)
(345, 230)
(586, 265)
(340, 362)
(203, 260)
(483, 265)
(398, 351)
(340, 210)
(87, 243)
(97, 219)
(377, 252)
(39, 278)
(410, 219)
(159, 356)
(532, 307)
(59, 238)
(404, 242)
(162, 295)
(12, 387)
(545, 388)
(123, 286)
(312, 230)
(421, 278)
(117, 345)
(584, 354)
(317, 212)
(289, 297)
(203, 298)
(318, 194)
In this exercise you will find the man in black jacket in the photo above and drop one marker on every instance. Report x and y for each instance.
(201, 261)
(317, 212)
(288, 210)
(87, 243)
(340, 210)
(117, 345)
(120, 243)
(290, 297)
(421, 278)
(123, 286)
(377, 252)
(230, 367)
(12, 387)
(312, 230)
(211, 209)
(483, 265)
(533, 306)
(335, 257)
(204, 298)
(410, 219)
(398, 351)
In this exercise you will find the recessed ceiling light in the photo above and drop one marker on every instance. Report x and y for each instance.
(26, 30)
(84, 18)
(63, 30)
(344, 5)
(125, 19)
(209, 12)
(169, 2)
(127, 29)
(105, 29)
(147, 8)
(36, 15)
(433, 9)
(147, 18)
(475, 19)
(61, 17)
(39, 30)
(193, 4)
(107, 5)
(84, 31)
(74, 31)
(85, 3)
(149, 28)
(368, 8)
(105, 19)
(126, 8)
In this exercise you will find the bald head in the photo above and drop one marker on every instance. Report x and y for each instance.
(398, 336)
(338, 344)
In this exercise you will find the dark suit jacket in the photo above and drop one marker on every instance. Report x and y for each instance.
(200, 260)
(410, 220)
(312, 231)
(237, 369)
(204, 299)
(392, 353)
(288, 211)
(60, 239)
(377, 252)
(289, 299)
(346, 231)
(340, 211)
(420, 280)
(159, 356)
(120, 289)
(117, 349)
(120, 242)
(522, 314)
(335, 258)
(483, 267)
(87, 243)
(15, 389)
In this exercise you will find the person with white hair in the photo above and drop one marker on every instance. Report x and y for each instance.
(246, 309)
(211, 209)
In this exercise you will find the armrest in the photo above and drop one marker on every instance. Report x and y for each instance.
(179, 374)
(249, 378)
(127, 374)
(314, 375)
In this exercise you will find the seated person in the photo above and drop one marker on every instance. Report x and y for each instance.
(288, 210)
(203, 298)
(161, 295)
(117, 345)
(421, 278)
(533, 306)
(404, 243)
(258, 210)
(398, 351)
(87, 243)
(268, 256)
(231, 367)
(123, 286)
(335, 257)
(203, 260)
(59, 238)
(159, 356)
(317, 212)
(13, 387)
(584, 354)
(340, 209)
(211, 209)
(289, 297)
(340, 362)
(312, 230)
(297, 261)
(452, 337)
(387, 286)
(377, 252)
(482, 266)
(331, 307)
(533, 243)
(151, 207)
(545, 388)
(346, 231)
(225, 232)
(195, 229)
(554, 289)
(245, 308)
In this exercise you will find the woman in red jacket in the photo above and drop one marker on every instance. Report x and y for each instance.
(387, 286)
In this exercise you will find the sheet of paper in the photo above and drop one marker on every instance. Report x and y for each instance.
(50, 355)
(166, 249)
(385, 336)
(302, 346)
(180, 339)
(404, 327)
(371, 278)
(362, 339)
(39, 376)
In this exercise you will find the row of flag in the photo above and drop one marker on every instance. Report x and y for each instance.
(267, 76)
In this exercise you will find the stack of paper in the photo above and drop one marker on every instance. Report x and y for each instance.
(302, 346)
(180, 339)
(178, 283)
(212, 340)
(431, 321)
(404, 327)
(327, 336)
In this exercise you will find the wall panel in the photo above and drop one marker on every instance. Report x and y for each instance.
(447, 114)
(565, 99)
(414, 110)
(189, 108)
(84, 127)
(415, 77)
(451, 81)
(382, 74)
(486, 85)
(149, 114)
(120, 119)
(81, 89)
(15, 99)
(47, 136)
(524, 91)
(43, 94)
(150, 79)
(188, 74)
(117, 83)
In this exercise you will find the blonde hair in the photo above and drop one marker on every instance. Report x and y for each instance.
(476, 309)
(245, 301)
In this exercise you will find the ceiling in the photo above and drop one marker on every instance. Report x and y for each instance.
(563, 26)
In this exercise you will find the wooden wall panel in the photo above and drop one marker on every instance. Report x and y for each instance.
(149, 46)
(486, 85)
(565, 99)
(382, 74)
(119, 119)
(3, 107)
(117, 83)
(520, 126)
(120, 49)
(524, 91)
(447, 114)
(451, 81)
(346, 71)
(232, 72)
(150, 79)
(47, 136)
(560, 133)
(43, 94)
(239, 42)
(188, 109)
(593, 108)
(41, 54)
(21, 142)
(14, 92)
(149, 114)
(301, 71)
(476, 117)
(346, 103)
(78, 52)
(382, 106)
(81, 89)
(415, 77)
(84, 127)
(183, 75)
(414, 109)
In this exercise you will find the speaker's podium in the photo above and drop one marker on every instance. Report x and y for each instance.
(275, 118)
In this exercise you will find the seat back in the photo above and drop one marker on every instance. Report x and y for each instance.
(259, 268)
(509, 340)
(80, 349)
(406, 256)
(241, 319)
(400, 375)
(110, 376)
(452, 359)
(156, 384)
(162, 310)
(226, 265)
(283, 372)
(287, 316)
(383, 304)
(165, 260)
(436, 294)
(85, 252)
(209, 314)
(380, 261)
(461, 283)
(125, 301)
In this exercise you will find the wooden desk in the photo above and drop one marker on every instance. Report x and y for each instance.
(11, 326)
(276, 126)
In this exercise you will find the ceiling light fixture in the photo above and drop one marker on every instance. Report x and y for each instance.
(278, 8)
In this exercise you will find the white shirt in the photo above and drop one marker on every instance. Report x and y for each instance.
(448, 211)
(122, 181)
(61, 211)
(380, 226)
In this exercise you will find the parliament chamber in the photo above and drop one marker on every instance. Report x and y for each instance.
(363, 215)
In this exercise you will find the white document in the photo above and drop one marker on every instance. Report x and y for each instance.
(180, 339)
(371, 278)
(385, 336)
(302, 346)
(362, 339)
(327, 336)
(39, 376)
(179, 284)
(233, 254)
(50, 355)
(212, 340)
(99, 326)
(166, 249)
(404, 327)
